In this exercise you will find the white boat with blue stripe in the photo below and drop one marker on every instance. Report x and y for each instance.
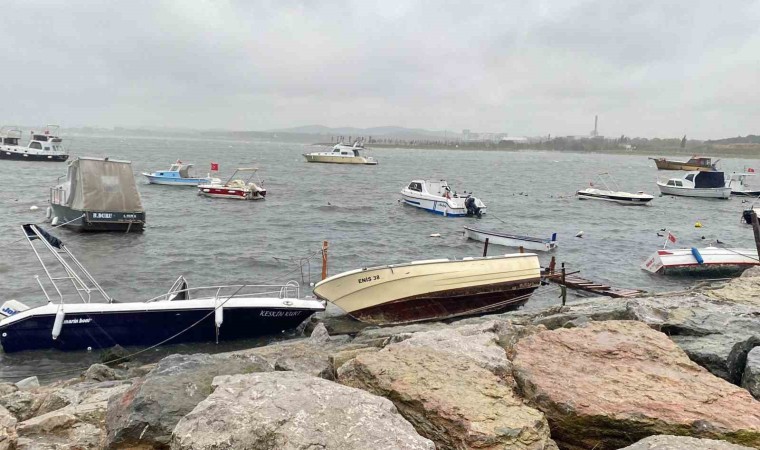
(438, 197)
(177, 175)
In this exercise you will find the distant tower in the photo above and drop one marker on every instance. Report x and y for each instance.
(595, 133)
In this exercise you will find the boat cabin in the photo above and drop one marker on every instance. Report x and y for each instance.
(699, 180)
(48, 140)
(10, 136)
(440, 188)
(177, 170)
(700, 161)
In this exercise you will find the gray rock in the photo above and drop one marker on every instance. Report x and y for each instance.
(8, 435)
(148, 411)
(382, 336)
(751, 376)
(23, 404)
(666, 442)
(293, 411)
(28, 384)
(99, 372)
(114, 355)
(7, 388)
(319, 335)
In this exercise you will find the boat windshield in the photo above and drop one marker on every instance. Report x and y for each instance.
(709, 180)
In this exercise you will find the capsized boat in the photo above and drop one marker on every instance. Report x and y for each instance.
(238, 189)
(738, 184)
(438, 197)
(178, 175)
(695, 259)
(697, 184)
(697, 163)
(98, 194)
(433, 289)
(342, 154)
(613, 194)
(180, 315)
(511, 240)
(43, 146)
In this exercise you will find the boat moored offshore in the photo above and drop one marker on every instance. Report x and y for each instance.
(438, 197)
(237, 189)
(178, 175)
(697, 184)
(697, 163)
(612, 194)
(738, 184)
(43, 146)
(342, 154)
(433, 289)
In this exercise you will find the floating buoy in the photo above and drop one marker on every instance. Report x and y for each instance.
(54, 222)
(34, 208)
(579, 234)
(435, 235)
(698, 224)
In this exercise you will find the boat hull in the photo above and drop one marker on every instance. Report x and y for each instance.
(712, 258)
(98, 220)
(22, 156)
(724, 192)
(663, 164)
(612, 197)
(193, 182)
(433, 290)
(453, 207)
(314, 158)
(230, 193)
(508, 240)
(101, 330)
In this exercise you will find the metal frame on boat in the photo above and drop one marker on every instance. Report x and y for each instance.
(222, 313)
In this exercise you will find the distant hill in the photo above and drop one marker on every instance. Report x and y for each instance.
(749, 139)
(374, 131)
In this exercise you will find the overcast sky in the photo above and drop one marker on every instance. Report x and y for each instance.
(660, 68)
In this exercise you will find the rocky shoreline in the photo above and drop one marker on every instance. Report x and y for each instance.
(666, 372)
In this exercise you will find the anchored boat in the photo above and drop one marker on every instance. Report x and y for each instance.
(433, 289)
(697, 184)
(98, 194)
(698, 163)
(438, 197)
(44, 146)
(700, 259)
(181, 315)
(738, 184)
(511, 240)
(178, 175)
(342, 154)
(612, 195)
(238, 189)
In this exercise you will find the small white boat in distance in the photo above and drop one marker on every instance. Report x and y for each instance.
(342, 154)
(235, 189)
(697, 184)
(511, 240)
(699, 259)
(738, 184)
(438, 197)
(612, 195)
(434, 289)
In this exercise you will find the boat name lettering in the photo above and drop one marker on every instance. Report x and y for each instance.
(368, 279)
(130, 216)
(279, 313)
(98, 215)
(81, 320)
(9, 311)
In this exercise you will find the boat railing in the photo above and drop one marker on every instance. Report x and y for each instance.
(290, 290)
(57, 195)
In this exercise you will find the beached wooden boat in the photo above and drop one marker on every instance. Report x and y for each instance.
(433, 289)
(700, 163)
(511, 240)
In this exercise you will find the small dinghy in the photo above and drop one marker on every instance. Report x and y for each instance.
(437, 197)
(178, 175)
(212, 313)
(738, 184)
(612, 195)
(511, 240)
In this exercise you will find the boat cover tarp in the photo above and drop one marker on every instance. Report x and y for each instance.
(709, 180)
(100, 185)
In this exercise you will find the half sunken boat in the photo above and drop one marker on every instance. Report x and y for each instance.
(434, 289)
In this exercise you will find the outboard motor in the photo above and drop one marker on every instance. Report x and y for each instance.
(472, 208)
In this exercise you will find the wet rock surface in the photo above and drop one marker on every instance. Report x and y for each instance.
(664, 442)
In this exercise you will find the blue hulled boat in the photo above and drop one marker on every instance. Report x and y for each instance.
(177, 175)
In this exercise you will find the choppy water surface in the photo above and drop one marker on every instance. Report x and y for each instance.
(356, 209)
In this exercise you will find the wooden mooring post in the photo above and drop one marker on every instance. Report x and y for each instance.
(756, 230)
(485, 248)
(563, 286)
(324, 259)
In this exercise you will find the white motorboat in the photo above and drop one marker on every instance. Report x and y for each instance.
(43, 146)
(434, 289)
(694, 259)
(612, 195)
(511, 240)
(438, 197)
(342, 154)
(238, 189)
(738, 184)
(213, 313)
(697, 184)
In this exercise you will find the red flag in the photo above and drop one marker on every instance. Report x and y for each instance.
(671, 237)
(214, 167)
(751, 170)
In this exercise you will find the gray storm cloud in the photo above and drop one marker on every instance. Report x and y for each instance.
(533, 68)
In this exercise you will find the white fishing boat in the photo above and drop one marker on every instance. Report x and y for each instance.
(438, 197)
(739, 186)
(697, 184)
(511, 240)
(695, 259)
(433, 289)
(342, 154)
(611, 192)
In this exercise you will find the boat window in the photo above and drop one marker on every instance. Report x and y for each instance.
(345, 153)
(40, 137)
(356, 152)
(690, 177)
(36, 145)
(415, 187)
(11, 141)
(671, 183)
(678, 183)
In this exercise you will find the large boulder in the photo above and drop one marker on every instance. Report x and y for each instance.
(272, 411)
(751, 376)
(608, 384)
(449, 399)
(146, 414)
(8, 435)
(665, 442)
